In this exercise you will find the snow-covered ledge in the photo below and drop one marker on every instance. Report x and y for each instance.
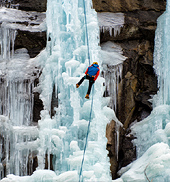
(108, 21)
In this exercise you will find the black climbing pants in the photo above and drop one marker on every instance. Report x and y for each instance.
(91, 81)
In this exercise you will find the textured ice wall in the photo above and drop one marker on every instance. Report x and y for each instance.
(66, 64)
(18, 144)
(63, 62)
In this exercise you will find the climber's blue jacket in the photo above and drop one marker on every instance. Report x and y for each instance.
(93, 71)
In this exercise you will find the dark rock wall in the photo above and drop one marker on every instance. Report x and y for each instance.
(139, 82)
(34, 42)
(31, 5)
(128, 5)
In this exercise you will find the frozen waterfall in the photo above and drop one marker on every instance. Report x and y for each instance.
(58, 140)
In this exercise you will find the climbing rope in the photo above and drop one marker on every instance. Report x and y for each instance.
(88, 129)
(85, 21)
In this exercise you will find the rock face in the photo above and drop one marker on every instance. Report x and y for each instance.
(30, 5)
(128, 5)
(138, 82)
(34, 42)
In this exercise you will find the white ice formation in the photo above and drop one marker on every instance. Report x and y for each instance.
(112, 22)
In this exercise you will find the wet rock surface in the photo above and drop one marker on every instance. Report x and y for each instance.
(128, 5)
(30, 5)
(34, 42)
(139, 82)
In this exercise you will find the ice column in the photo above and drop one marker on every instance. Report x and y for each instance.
(16, 114)
(7, 38)
(161, 58)
(17, 74)
(63, 135)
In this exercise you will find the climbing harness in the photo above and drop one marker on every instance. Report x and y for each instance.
(80, 174)
(90, 75)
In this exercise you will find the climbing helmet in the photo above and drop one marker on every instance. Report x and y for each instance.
(95, 63)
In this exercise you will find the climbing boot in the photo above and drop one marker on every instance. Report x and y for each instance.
(77, 85)
(87, 96)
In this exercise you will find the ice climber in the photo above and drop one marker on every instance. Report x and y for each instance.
(92, 73)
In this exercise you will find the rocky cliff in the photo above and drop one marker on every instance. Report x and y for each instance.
(138, 82)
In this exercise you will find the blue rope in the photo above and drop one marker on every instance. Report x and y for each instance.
(87, 135)
(85, 19)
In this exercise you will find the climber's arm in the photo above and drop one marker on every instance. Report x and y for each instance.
(86, 71)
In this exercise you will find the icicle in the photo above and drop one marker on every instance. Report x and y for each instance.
(112, 79)
(7, 39)
(117, 128)
(111, 22)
